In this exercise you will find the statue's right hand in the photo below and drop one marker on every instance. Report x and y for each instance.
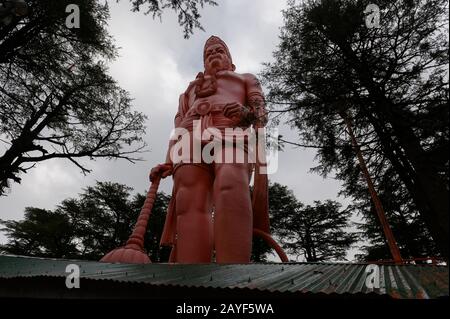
(162, 170)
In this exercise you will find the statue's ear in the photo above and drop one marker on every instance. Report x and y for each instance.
(233, 67)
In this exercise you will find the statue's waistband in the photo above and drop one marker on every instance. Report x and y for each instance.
(204, 108)
(209, 115)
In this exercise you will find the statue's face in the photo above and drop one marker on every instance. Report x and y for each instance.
(216, 58)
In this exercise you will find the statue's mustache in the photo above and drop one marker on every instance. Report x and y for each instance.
(215, 56)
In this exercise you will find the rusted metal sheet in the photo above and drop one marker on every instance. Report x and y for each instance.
(397, 281)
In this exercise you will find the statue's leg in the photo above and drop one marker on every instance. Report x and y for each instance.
(233, 217)
(193, 207)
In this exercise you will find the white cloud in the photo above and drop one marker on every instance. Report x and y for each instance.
(49, 182)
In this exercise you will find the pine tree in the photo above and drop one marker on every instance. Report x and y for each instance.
(391, 82)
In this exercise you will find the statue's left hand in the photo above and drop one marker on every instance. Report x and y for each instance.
(161, 170)
(236, 111)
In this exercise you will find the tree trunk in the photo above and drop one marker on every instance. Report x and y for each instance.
(388, 235)
(308, 247)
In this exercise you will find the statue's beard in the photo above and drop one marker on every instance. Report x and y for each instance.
(218, 65)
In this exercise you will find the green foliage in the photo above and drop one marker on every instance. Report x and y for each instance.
(87, 227)
(316, 233)
(391, 82)
(187, 10)
(42, 233)
(56, 98)
(319, 232)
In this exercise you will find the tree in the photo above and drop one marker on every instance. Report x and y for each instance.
(412, 236)
(187, 10)
(317, 233)
(13, 11)
(56, 98)
(42, 233)
(88, 227)
(391, 82)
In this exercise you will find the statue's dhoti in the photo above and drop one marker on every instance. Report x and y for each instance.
(214, 139)
(211, 137)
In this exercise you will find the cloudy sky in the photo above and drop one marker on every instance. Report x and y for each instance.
(155, 65)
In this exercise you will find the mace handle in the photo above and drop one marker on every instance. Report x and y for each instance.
(137, 237)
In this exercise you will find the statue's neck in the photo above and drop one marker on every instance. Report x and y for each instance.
(216, 72)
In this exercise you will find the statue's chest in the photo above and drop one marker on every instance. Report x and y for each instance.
(219, 90)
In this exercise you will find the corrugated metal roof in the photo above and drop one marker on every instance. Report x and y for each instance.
(404, 281)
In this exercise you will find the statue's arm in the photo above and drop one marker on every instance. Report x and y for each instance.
(255, 100)
(177, 121)
(166, 169)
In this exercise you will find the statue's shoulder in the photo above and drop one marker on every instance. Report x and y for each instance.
(190, 88)
(252, 82)
(245, 77)
(249, 76)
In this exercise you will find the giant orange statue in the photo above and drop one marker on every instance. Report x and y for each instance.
(211, 215)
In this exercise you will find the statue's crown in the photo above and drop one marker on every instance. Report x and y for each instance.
(215, 40)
